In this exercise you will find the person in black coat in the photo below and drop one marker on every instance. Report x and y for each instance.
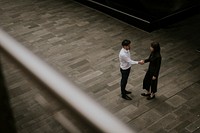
(151, 78)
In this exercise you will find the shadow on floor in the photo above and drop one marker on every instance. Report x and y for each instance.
(7, 122)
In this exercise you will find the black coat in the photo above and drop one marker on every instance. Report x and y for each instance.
(153, 70)
(155, 63)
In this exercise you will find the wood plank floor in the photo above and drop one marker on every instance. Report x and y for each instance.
(83, 44)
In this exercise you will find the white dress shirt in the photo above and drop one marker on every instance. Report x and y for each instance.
(125, 59)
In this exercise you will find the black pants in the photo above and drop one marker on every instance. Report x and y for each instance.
(148, 83)
(124, 79)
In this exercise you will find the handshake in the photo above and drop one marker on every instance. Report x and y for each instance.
(141, 62)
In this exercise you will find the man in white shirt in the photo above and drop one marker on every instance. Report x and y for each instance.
(125, 67)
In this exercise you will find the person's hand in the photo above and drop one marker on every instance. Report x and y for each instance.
(141, 62)
(153, 78)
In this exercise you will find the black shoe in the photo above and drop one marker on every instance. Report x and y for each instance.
(128, 92)
(144, 94)
(126, 97)
(198, 50)
(151, 97)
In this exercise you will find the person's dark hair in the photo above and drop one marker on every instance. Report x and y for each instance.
(155, 46)
(126, 42)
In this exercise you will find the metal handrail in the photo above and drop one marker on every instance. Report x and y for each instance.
(85, 106)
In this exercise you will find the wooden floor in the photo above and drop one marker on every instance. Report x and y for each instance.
(83, 44)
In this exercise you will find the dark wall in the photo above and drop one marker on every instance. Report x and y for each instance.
(146, 14)
(154, 8)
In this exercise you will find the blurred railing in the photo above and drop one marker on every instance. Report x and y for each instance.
(85, 108)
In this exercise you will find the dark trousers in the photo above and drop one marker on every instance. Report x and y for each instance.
(124, 79)
(148, 83)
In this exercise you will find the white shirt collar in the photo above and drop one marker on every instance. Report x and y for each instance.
(125, 50)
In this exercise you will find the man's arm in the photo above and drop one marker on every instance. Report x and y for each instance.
(131, 61)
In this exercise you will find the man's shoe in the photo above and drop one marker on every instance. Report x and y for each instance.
(144, 94)
(128, 92)
(126, 97)
(151, 97)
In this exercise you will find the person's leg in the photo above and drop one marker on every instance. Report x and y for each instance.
(124, 80)
(146, 84)
(153, 89)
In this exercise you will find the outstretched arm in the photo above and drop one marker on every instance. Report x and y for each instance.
(131, 61)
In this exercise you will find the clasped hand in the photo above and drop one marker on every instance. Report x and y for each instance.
(141, 62)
